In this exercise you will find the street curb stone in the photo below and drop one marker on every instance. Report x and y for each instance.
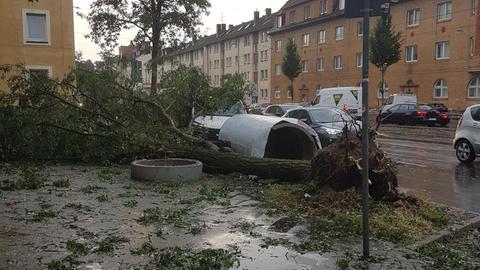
(410, 139)
(472, 223)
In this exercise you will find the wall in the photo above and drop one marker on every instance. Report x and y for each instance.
(60, 54)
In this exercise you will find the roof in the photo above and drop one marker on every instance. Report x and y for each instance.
(263, 23)
(309, 22)
(293, 3)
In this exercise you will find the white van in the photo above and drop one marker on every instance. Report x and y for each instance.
(341, 97)
(399, 99)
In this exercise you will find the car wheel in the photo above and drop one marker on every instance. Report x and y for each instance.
(465, 151)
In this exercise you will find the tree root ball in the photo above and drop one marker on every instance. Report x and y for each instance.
(339, 167)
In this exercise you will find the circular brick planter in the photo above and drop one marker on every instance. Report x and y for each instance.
(166, 170)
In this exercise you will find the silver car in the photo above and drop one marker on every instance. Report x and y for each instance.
(467, 137)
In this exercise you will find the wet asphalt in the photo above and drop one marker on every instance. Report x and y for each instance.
(432, 171)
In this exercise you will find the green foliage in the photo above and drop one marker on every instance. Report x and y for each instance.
(146, 249)
(292, 62)
(103, 198)
(385, 44)
(91, 189)
(62, 183)
(445, 258)
(110, 244)
(187, 93)
(42, 215)
(130, 203)
(31, 179)
(218, 194)
(187, 259)
(77, 248)
(68, 263)
(173, 216)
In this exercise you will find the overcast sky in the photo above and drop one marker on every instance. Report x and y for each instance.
(232, 12)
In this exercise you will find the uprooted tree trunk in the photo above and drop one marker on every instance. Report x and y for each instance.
(338, 166)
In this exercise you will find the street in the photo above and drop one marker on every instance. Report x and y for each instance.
(431, 171)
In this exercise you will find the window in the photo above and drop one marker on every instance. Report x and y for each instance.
(305, 40)
(474, 88)
(359, 57)
(289, 93)
(442, 50)
(38, 73)
(411, 53)
(337, 62)
(323, 7)
(413, 17)
(291, 17)
(278, 45)
(36, 27)
(472, 46)
(339, 33)
(266, 93)
(320, 64)
(444, 11)
(440, 89)
(304, 66)
(277, 92)
(306, 12)
(360, 29)
(321, 36)
(476, 113)
(236, 60)
(246, 41)
(474, 7)
(278, 70)
(341, 4)
(280, 21)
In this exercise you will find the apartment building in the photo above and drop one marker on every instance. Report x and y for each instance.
(241, 49)
(440, 52)
(38, 34)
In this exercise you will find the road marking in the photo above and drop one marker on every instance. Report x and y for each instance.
(411, 164)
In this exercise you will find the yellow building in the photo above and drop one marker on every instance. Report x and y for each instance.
(38, 34)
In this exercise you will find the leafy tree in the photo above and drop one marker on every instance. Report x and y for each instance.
(291, 65)
(160, 22)
(385, 45)
(187, 94)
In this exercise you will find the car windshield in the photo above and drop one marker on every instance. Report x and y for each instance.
(329, 116)
(425, 108)
(237, 108)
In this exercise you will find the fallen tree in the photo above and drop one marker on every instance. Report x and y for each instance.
(134, 125)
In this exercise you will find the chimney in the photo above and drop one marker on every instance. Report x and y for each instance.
(219, 29)
(268, 11)
(230, 26)
(256, 15)
(224, 28)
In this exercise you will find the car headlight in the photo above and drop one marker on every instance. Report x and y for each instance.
(330, 131)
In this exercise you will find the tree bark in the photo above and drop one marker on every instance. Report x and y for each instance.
(288, 170)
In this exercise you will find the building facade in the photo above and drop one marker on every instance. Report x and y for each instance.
(38, 34)
(241, 49)
(440, 51)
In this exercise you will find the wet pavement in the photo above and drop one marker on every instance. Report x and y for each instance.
(432, 171)
(187, 220)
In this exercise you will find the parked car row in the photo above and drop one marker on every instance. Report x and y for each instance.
(413, 114)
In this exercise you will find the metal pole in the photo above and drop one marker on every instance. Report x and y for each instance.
(365, 129)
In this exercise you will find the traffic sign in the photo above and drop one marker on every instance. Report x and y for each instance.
(354, 8)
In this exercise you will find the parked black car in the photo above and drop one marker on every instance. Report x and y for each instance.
(328, 122)
(280, 109)
(412, 114)
(439, 107)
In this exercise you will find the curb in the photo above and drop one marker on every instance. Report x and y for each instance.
(473, 223)
(413, 140)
